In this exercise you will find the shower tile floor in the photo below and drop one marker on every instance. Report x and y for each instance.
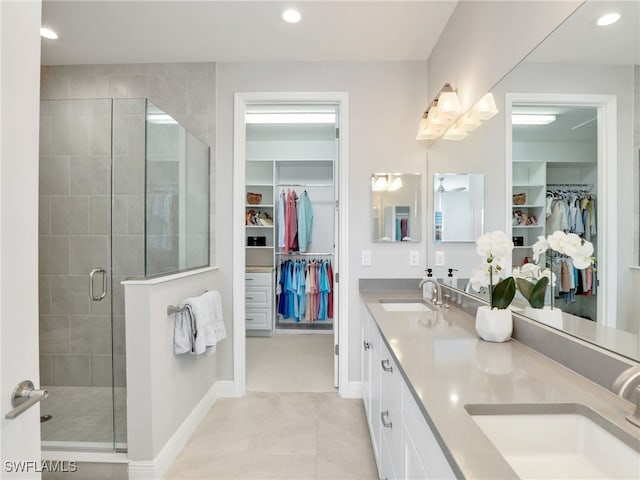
(84, 415)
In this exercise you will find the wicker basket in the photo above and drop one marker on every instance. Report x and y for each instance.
(519, 198)
(254, 198)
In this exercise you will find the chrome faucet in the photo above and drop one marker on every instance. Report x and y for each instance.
(436, 299)
(627, 385)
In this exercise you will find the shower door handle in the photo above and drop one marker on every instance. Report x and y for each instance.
(103, 294)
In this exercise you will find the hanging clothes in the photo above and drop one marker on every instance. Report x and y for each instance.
(305, 290)
(281, 219)
(305, 221)
(291, 226)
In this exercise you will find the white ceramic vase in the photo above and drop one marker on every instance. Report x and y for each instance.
(494, 325)
(545, 315)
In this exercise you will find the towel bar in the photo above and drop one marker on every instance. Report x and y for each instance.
(171, 309)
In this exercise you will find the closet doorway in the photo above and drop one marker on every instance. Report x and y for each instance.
(289, 165)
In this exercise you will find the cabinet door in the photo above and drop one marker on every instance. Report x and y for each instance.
(391, 427)
(374, 419)
(414, 470)
(427, 448)
(258, 319)
(366, 364)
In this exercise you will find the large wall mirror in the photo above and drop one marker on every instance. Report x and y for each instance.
(395, 207)
(585, 80)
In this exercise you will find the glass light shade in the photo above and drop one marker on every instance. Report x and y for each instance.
(469, 123)
(379, 184)
(485, 108)
(396, 184)
(448, 105)
(435, 119)
(427, 131)
(456, 132)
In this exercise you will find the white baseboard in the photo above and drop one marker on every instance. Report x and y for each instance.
(155, 469)
(352, 390)
(226, 389)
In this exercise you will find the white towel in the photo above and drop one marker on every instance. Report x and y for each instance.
(217, 322)
(183, 332)
(200, 326)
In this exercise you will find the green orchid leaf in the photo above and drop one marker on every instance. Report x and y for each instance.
(525, 287)
(503, 293)
(537, 294)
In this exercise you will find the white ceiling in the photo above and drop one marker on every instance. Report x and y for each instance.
(151, 31)
(579, 40)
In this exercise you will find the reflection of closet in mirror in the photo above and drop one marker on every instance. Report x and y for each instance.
(458, 207)
(395, 207)
(554, 187)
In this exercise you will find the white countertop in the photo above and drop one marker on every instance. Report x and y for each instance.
(447, 367)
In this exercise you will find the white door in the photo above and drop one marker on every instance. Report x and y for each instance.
(19, 126)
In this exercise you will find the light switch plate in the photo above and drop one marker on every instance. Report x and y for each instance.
(439, 259)
(366, 258)
(414, 258)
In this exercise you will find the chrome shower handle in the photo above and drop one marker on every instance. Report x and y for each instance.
(104, 284)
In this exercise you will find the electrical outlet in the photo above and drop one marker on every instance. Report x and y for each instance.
(414, 258)
(366, 258)
(439, 259)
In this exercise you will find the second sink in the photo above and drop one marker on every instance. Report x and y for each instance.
(404, 305)
(558, 441)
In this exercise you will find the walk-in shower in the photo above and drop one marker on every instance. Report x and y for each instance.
(124, 192)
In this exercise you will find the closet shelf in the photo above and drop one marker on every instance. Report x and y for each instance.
(263, 205)
(528, 206)
(528, 185)
(252, 247)
(259, 226)
(527, 226)
(259, 184)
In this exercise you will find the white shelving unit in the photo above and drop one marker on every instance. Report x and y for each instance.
(528, 178)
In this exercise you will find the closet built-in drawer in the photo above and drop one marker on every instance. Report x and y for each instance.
(258, 319)
(258, 297)
(258, 279)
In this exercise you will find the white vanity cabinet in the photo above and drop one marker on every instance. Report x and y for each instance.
(403, 444)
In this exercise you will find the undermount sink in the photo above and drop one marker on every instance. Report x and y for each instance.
(404, 305)
(558, 441)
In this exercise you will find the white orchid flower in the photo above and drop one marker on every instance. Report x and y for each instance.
(540, 247)
(571, 243)
(479, 278)
(556, 241)
(494, 247)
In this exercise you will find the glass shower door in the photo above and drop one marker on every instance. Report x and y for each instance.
(77, 330)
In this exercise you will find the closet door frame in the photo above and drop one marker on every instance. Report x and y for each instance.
(242, 100)
(607, 185)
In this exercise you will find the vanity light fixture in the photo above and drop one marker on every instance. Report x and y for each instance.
(291, 15)
(386, 183)
(484, 109)
(608, 19)
(440, 114)
(48, 33)
(532, 119)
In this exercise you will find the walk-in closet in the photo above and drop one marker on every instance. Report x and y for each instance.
(290, 226)
(555, 188)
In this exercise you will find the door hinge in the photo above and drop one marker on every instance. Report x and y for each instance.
(337, 133)
(337, 204)
(336, 349)
(337, 277)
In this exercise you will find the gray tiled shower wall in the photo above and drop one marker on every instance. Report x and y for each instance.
(75, 182)
(76, 221)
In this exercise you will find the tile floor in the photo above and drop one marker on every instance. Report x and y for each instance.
(289, 362)
(84, 414)
(291, 425)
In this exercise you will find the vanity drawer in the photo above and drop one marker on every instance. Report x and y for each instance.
(258, 279)
(258, 297)
(258, 319)
(390, 375)
(391, 428)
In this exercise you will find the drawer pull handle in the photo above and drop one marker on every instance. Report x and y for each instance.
(386, 365)
(248, 298)
(250, 319)
(249, 279)
(385, 422)
(366, 345)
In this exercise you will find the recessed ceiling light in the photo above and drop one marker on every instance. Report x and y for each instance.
(48, 33)
(520, 119)
(608, 19)
(291, 16)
